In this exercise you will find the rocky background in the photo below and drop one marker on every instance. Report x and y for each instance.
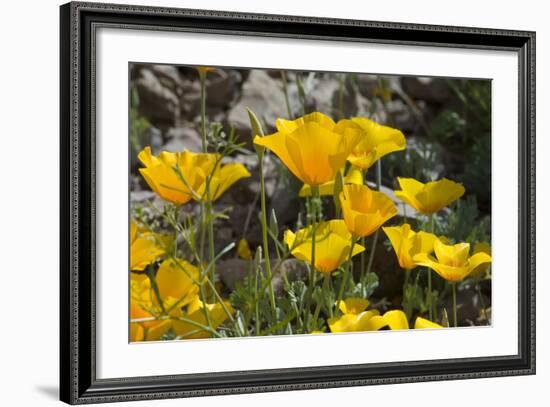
(447, 123)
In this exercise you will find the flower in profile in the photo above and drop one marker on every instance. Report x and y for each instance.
(452, 262)
(353, 176)
(365, 210)
(177, 281)
(313, 147)
(422, 323)
(180, 177)
(355, 318)
(408, 243)
(430, 197)
(223, 177)
(332, 245)
(145, 315)
(352, 322)
(481, 247)
(144, 247)
(353, 305)
(243, 249)
(377, 141)
(195, 312)
(394, 320)
(203, 70)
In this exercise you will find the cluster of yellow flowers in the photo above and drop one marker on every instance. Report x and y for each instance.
(315, 149)
(331, 159)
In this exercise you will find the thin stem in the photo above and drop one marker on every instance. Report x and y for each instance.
(364, 277)
(324, 289)
(454, 304)
(482, 311)
(429, 270)
(211, 247)
(345, 275)
(267, 261)
(285, 90)
(202, 77)
(314, 197)
(406, 302)
(341, 83)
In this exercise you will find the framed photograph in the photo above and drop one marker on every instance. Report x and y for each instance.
(255, 203)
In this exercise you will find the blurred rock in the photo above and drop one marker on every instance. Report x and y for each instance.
(158, 103)
(265, 96)
(429, 90)
(221, 88)
(182, 138)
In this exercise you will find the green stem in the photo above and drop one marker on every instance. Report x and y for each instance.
(345, 275)
(341, 83)
(324, 289)
(482, 311)
(285, 90)
(454, 304)
(429, 270)
(264, 237)
(309, 292)
(406, 300)
(202, 77)
(365, 275)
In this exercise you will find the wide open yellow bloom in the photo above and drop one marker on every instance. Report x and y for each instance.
(195, 312)
(452, 262)
(430, 197)
(354, 176)
(144, 248)
(365, 210)
(313, 147)
(376, 142)
(332, 245)
(408, 243)
(161, 175)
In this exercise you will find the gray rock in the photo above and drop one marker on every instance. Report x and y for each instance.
(182, 138)
(265, 96)
(158, 103)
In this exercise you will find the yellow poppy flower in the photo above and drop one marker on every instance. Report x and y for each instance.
(394, 319)
(243, 249)
(142, 307)
(332, 245)
(353, 305)
(205, 69)
(481, 247)
(144, 249)
(376, 142)
(216, 313)
(176, 279)
(422, 323)
(408, 243)
(365, 210)
(352, 322)
(353, 176)
(313, 147)
(453, 262)
(161, 175)
(224, 176)
(430, 197)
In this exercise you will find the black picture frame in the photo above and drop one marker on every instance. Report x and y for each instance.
(78, 382)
